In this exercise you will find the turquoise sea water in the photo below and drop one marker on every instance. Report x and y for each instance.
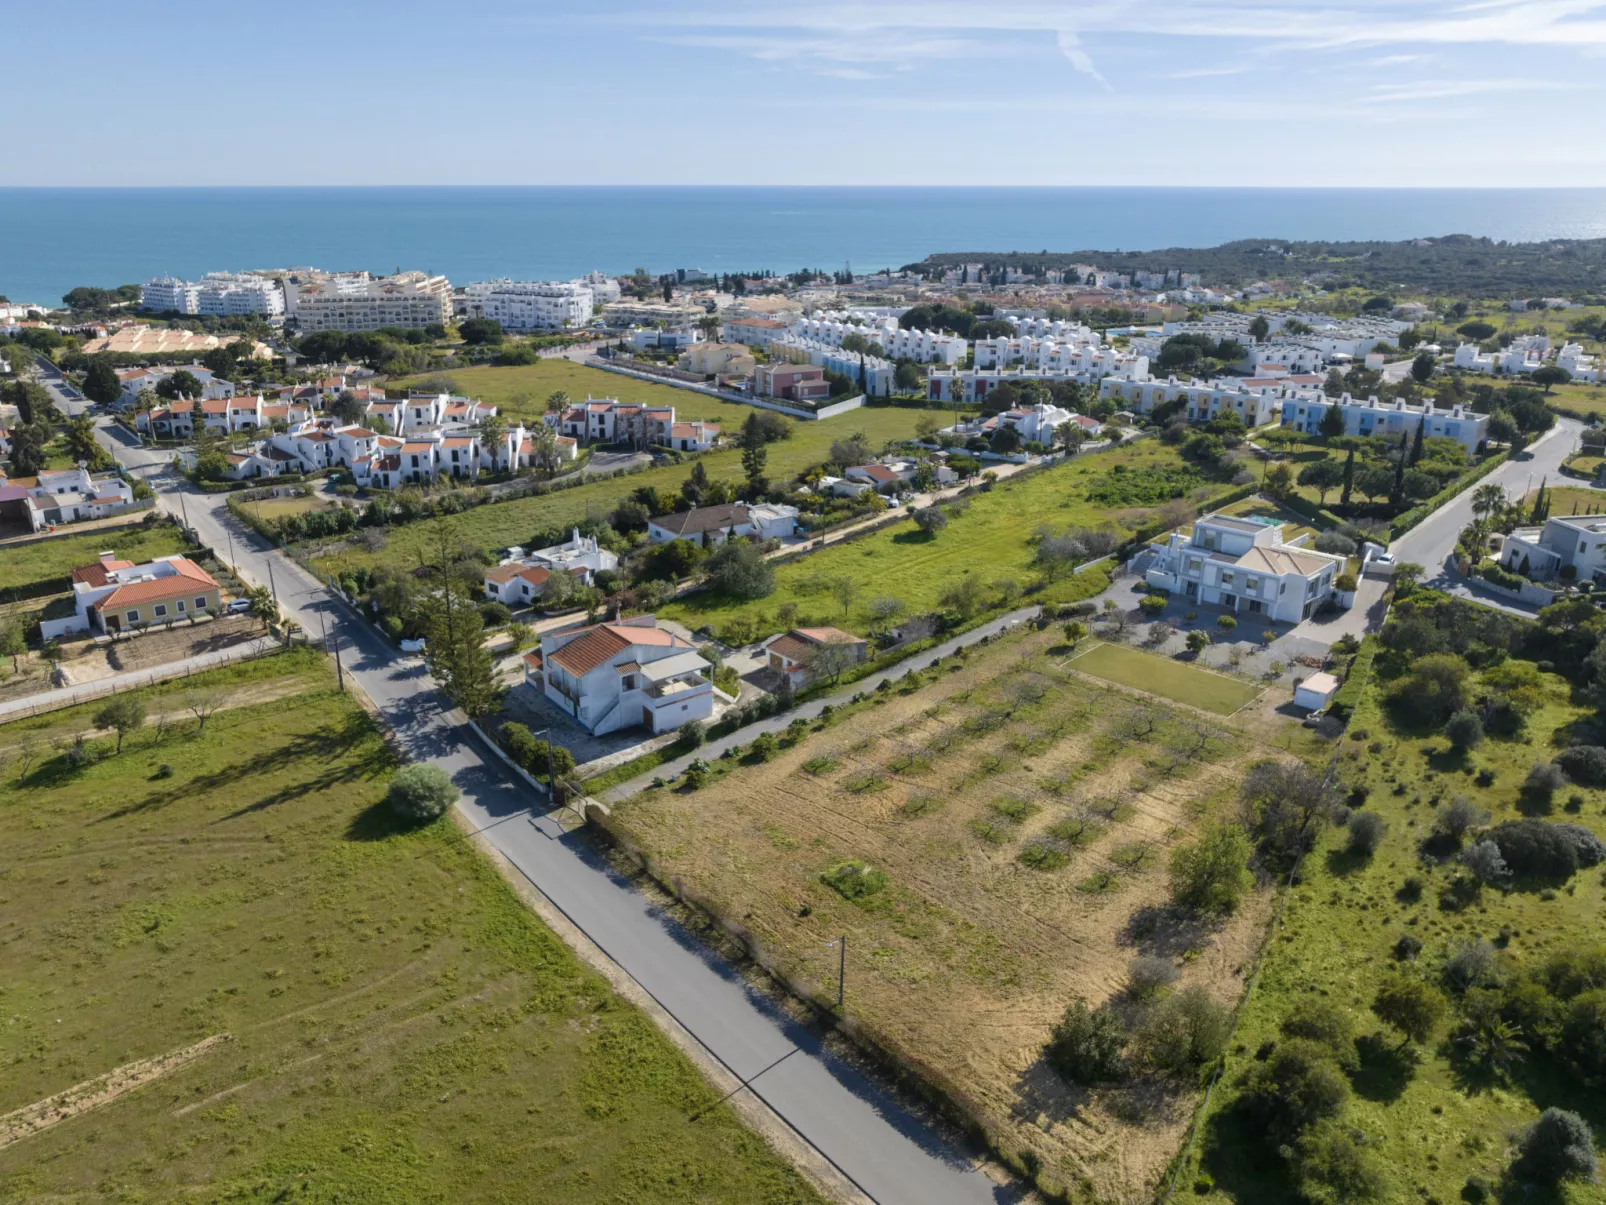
(52, 239)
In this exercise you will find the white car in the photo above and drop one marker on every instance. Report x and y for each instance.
(413, 646)
(239, 605)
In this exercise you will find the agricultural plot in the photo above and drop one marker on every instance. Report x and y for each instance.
(323, 1006)
(1170, 679)
(992, 840)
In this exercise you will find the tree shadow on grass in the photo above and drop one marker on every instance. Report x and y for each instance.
(1341, 862)
(1042, 1094)
(378, 822)
(914, 537)
(1167, 931)
(1243, 1164)
(1385, 1068)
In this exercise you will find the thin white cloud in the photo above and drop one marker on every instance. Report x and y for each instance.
(1205, 72)
(1395, 60)
(1071, 47)
(1437, 89)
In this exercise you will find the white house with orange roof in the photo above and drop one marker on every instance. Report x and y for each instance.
(113, 595)
(620, 675)
(798, 654)
(517, 450)
(434, 410)
(693, 437)
(387, 411)
(133, 380)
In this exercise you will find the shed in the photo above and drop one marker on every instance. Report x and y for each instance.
(1316, 691)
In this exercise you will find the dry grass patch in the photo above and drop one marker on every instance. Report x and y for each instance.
(994, 846)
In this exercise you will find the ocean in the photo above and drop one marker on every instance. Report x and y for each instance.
(52, 239)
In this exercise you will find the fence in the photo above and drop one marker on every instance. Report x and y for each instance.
(125, 682)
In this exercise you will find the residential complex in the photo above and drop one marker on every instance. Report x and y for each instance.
(875, 374)
(620, 675)
(1396, 420)
(1526, 354)
(1245, 564)
(1568, 548)
(531, 305)
(1256, 402)
(896, 343)
(216, 293)
(1090, 365)
(356, 301)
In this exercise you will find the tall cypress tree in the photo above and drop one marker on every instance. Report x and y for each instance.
(1349, 478)
(1416, 443)
(1397, 491)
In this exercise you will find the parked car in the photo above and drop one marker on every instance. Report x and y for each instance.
(413, 646)
(238, 605)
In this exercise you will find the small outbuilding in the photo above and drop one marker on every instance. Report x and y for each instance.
(1316, 691)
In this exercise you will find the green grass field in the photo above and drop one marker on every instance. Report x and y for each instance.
(522, 392)
(1588, 399)
(1568, 499)
(44, 560)
(1431, 1123)
(507, 523)
(1164, 677)
(991, 541)
(401, 1027)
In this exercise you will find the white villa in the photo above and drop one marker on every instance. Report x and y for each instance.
(1577, 542)
(65, 496)
(619, 675)
(712, 525)
(1039, 422)
(519, 580)
(1392, 419)
(1245, 565)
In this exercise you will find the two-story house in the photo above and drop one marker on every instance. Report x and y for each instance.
(1573, 547)
(619, 675)
(1244, 564)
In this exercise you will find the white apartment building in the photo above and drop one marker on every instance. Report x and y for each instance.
(1577, 542)
(1085, 367)
(1256, 403)
(1052, 328)
(216, 293)
(356, 301)
(532, 305)
(752, 330)
(619, 675)
(1526, 354)
(1395, 420)
(923, 347)
(1244, 564)
(604, 288)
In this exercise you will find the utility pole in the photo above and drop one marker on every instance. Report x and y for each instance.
(340, 672)
(272, 585)
(233, 564)
(841, 945)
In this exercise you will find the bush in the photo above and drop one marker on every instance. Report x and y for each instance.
(1472, 964)
(495, 614)
(1336, 1168)
(1087, 1047)
(853, 880)
(1584, 764)
(1298, 1085)
(1461, 816)
(1336, 543)
(1583, 1035)
(1486, 863)
(420, 793)
(1540, 787)
(1559, 1146)
(1148, 976)
(1323, 1022)
(764, 746)
(692, 734)
(1435, 689)
(1212, 873)
(1366, 832)
(1182, 1033)
(1535, 849)
(1407, 948)
(1465, 729)
(1152, 604)
(163, 771)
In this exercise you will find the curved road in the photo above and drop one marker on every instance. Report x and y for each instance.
(888, 1153)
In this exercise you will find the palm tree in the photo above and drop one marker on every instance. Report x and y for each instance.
(1487, 499)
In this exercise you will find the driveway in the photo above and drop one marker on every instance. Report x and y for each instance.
(883, 1149)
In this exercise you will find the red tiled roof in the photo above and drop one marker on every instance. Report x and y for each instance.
(95, 574)
(189, 578)
(595, 645)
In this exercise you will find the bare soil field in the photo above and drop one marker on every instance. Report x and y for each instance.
(998, 841)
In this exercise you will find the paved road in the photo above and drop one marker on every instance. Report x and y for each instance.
(874, 1142)
(1431, 543)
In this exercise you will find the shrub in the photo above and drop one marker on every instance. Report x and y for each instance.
(1584, 764)
(692, 734)
(1472, 964)
(1324, 1022)
(1366, 832)
(1087, 1047)
(420, 793)
(1148, 976)
(1583, 1034)
(1535, 849)
(1152, 604)
(1486, 864)
(1298, 1085)
(1410, 1006)
(1226, 622)
(764, 746)
(1559, 1146)
(1182, 1033)
(853, 880)
(1336, 543)
(1335, 1167)
(495, 614)
(1465, 729)
(1540, 787)
(164, 771)
(1461, 816)
(1435, 689)
(1407, 948)
(1212, 873)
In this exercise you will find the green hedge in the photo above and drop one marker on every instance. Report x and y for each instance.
(1360, 672)
(1403, 523)
(1316, 514)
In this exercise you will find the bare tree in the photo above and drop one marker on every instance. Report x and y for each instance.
(844, 590)
(830, 659)
(27, 751)
(202, 703)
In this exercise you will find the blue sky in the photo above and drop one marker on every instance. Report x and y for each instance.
(1201, 92)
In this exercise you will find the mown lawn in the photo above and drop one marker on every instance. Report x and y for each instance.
(502, 524)
(54, 558)
(1165, 677)
(1589, 399)
(991, 540)
(1432, 1122)
(1568, 500)
(400, 1027)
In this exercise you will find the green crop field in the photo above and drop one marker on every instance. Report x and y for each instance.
(55, 558)
(1165, 677)
(393, 1023)
(991, 541)
(506, 523)
(1433, 1118)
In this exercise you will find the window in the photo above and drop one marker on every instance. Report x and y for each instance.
(159, 610)
(1226, 577)
(132, 616)
(181, 606)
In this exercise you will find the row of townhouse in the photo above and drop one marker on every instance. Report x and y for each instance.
(63, 496)
(178, 420)
(896, 343)
(874, 375)
(1036, 327)
(1523, 356)
(1395, 420)
(1245, 564)
(1255, 402)
(135, 380)
(1093, 364)
(610, 421)
(1034, 351)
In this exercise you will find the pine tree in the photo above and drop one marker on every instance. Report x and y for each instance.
(455, 639)
(1349, 478)
(754, 455)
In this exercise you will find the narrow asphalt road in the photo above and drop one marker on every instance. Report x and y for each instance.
(874, 1142)
(1431, 543)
